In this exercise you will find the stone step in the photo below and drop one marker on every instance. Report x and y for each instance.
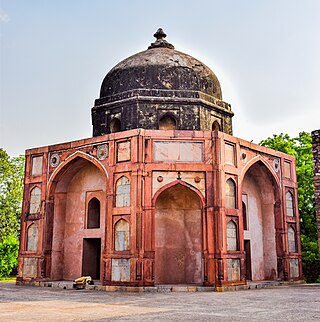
(69, 285)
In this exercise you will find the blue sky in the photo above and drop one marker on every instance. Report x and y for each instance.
(55, 54)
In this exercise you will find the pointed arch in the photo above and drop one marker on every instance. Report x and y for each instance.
(35, 200)
(177, 182)
(121, 235)
(32, 238)
(232, 236)
(115, 125)
(123, 192)
(231, 193)
(256, 159)
(63, 167)
(93, 214)
(74, 182)
(264, 211)
(289, 204)
(215, 126)
(167, 122)
(292, 245)
(178, 232)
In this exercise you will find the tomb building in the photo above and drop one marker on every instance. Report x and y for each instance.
(163, 193)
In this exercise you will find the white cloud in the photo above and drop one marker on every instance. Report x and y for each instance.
(4, 18)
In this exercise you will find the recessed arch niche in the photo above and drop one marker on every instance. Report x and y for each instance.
(178, 237)
(167, 122)
(66, 237)
(262, 192)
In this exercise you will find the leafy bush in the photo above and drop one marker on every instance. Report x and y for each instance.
(310, 260)
(9, 247)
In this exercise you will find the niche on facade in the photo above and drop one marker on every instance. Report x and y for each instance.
(167, 122)
(215, 126)
(178, 237)
(294, 268)
(232, 236)
(121, 235)
(35, 201)
(123, 151)
(245, 219)
(120, 270)
(78, 183)
(233, 269)
(32, 238)
(123, 192)
(230, 194)
(292, 240)
(30, 266)
(93, 215)
(178, 151)
(287, 169)
(115, 125)
(229, 149)
(36, 165)
(289, 204)
(262, 192)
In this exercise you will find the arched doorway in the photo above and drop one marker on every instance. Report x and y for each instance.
(178, 237)
(167, 122)
(115, 125)
(76, 245)
(215, 126)
(261, 192)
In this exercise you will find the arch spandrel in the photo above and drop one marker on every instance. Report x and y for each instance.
(255, 160)
(175, 183)
(65, 166)
(161, 179)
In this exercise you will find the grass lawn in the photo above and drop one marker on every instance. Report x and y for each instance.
(8, 279)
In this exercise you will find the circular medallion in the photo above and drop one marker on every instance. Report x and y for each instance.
(276, 165)
(197, 179)
(160, 179)
(54, 159)
(243, 155)
(102, 152)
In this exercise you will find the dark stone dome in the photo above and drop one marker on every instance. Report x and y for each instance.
(160, 89)
(161, 67)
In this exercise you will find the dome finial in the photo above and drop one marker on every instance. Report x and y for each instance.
(160, 34)
(160, 42)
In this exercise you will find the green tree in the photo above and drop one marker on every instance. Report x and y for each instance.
(11, 188)
(9, 247)
(301, 148)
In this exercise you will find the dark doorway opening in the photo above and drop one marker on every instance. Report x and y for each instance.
(115, 125)
(167, 123)
(244, 216)
(91, 257)
(215, 126)
(248, 260)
